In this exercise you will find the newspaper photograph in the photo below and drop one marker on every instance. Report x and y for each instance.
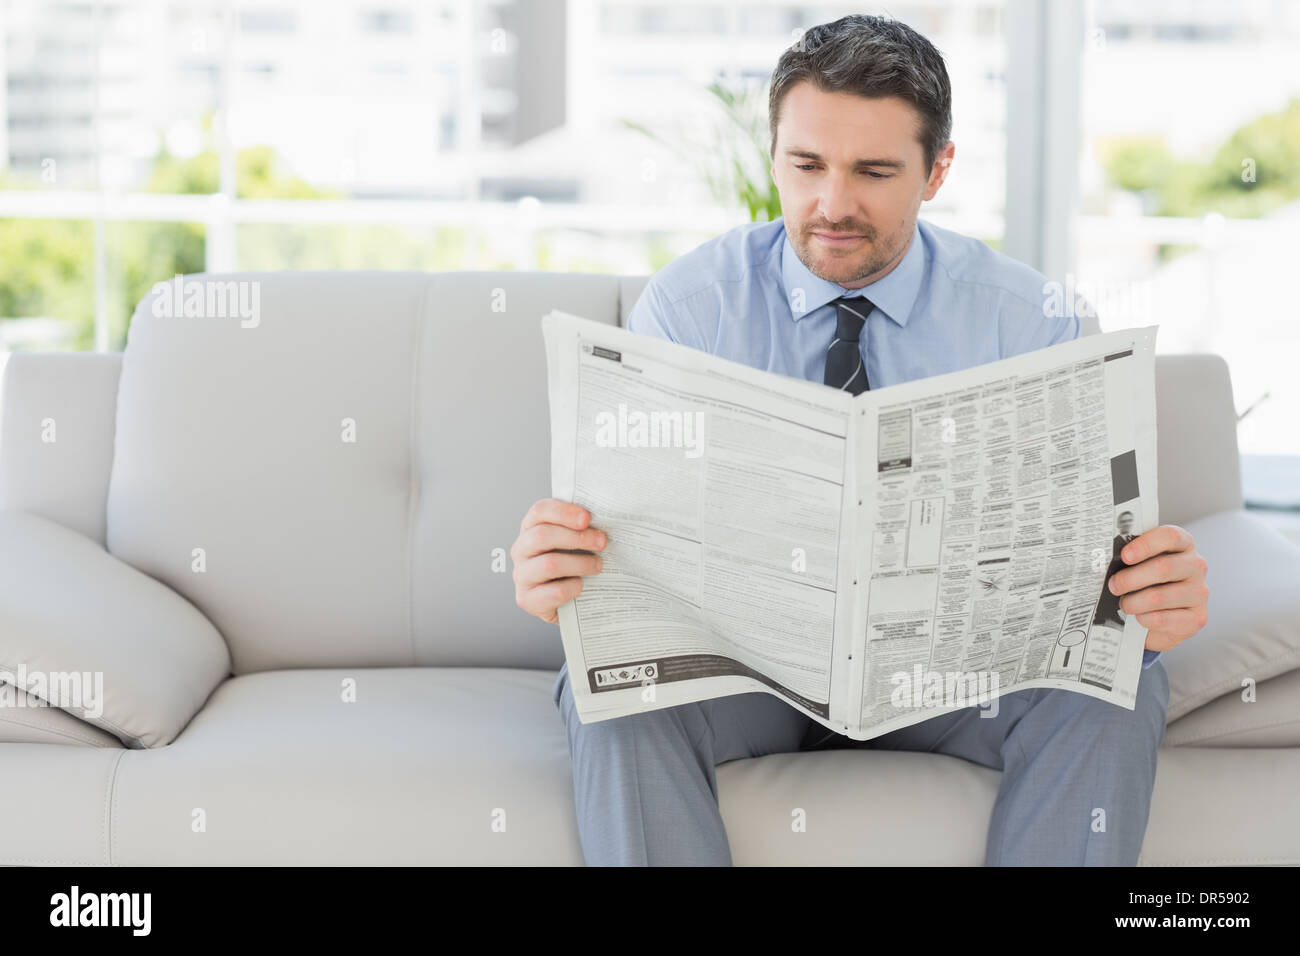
(872, 560)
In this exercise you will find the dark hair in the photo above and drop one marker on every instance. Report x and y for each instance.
(873, 57)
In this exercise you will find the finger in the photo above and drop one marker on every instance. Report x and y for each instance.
(1166, 629)
(1162, 568)
(1189, 594)
(1162, 640)
(554, 511)
(543, 600)
(553, 537)
(1167, 537)
(553, 565)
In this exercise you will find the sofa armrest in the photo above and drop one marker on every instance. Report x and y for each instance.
(1253, 630)
(90, 634)
(1198, 469)
(57, 420)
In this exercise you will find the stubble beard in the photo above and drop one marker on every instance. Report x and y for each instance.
(845, 267)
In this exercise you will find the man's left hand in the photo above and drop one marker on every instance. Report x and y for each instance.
(1164, 585)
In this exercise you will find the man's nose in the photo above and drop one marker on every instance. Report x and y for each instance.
(837, 202)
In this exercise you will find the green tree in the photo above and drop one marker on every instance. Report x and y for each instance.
(1254, 172)
(46, 271)
(48, 265)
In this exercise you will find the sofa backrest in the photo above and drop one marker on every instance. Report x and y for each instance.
(391, 549)
(56, 436)
(338, 482)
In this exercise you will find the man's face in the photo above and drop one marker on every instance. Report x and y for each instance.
(847, 166)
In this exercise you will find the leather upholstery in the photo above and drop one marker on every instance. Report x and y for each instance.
(372, 561)
(145, 660)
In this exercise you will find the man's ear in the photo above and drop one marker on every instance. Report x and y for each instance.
(939, 171)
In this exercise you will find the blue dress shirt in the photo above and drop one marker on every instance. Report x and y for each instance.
(951, 303)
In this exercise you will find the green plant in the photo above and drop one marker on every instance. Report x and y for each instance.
(735, 163)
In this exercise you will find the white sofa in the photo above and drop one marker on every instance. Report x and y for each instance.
(340, 674)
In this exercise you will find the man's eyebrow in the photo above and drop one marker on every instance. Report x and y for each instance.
(809, 154)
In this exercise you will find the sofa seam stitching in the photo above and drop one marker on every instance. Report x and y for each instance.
(87, 740)
(110, 807)
(1225, 730)
(100, 722)
(112, 445)
(20, 861)
(1231, 861)
(413, 469)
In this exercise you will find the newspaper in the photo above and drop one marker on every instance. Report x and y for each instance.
(873, 560)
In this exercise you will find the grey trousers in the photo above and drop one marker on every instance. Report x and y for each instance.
(646, 793)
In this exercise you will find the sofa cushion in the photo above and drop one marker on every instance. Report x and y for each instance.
(415, 771)
(385, 766)
(57, 803)
(412, 772)
(280, 769)
(353, 464)
(275, 451)
(26, 719)
(90, 633)
(1253, 629)
(1210, 807)
(1271, 719)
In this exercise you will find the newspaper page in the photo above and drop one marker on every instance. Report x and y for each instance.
(995, 502)
(873, 560)
(722, 490)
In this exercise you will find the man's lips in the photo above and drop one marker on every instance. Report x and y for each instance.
(838, 239)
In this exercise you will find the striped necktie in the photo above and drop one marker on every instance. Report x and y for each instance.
(844, 368)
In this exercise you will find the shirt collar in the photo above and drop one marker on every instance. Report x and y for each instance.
(893, 294)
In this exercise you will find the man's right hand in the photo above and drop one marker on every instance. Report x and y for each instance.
(545, 575)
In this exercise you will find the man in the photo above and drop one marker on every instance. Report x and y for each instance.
(848, 288)
(1109, 611)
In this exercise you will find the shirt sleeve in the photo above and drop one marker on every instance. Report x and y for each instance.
(650, 315)
(658, 314)
(1149, 658)
(1027, 329)
(1067, 330)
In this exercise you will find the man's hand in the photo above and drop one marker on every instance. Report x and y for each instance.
(1164, 585)
(546, 576)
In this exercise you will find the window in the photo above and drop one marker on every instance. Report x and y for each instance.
(1190, 200)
